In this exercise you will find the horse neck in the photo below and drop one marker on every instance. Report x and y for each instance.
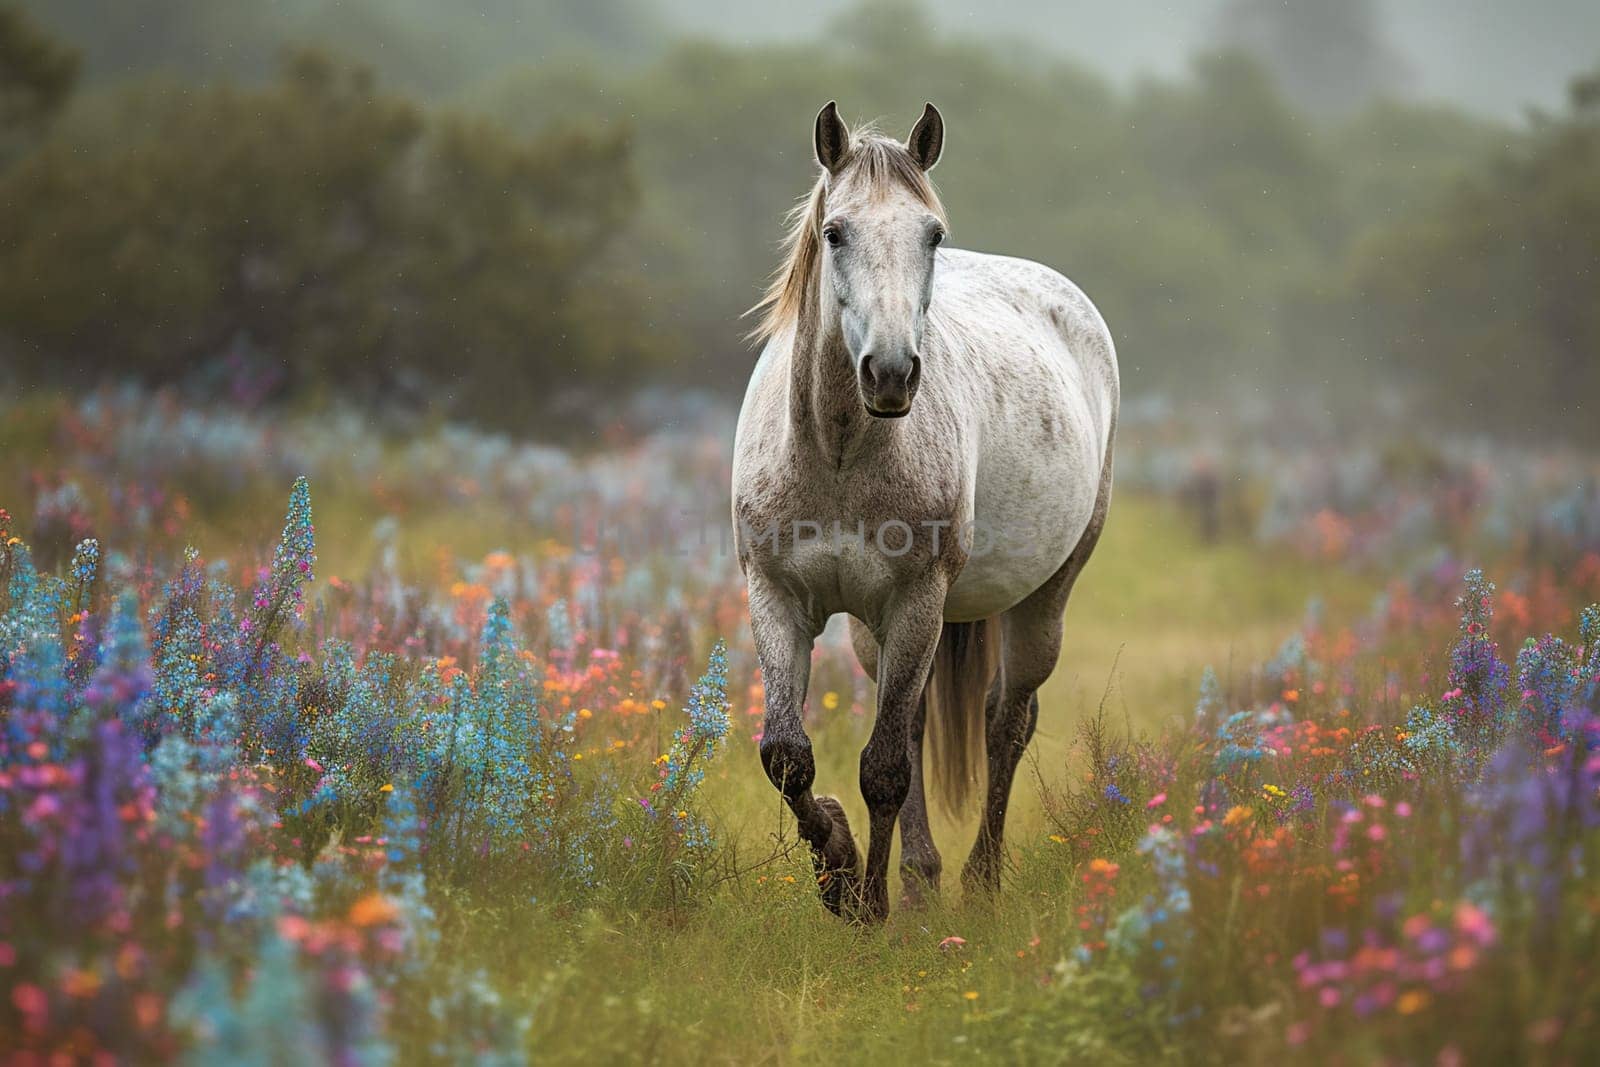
(825, 410)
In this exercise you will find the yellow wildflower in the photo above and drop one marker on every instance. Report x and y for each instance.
(1412, 1002)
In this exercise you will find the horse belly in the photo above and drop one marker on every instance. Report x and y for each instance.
(1031, 508)
(1002, 578)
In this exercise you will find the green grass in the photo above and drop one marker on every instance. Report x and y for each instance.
(759, 973)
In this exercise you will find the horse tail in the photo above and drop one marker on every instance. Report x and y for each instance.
(964, 667)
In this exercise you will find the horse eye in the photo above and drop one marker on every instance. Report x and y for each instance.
(936, 238)
(832, 235)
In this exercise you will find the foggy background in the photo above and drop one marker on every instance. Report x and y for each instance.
(527, 213)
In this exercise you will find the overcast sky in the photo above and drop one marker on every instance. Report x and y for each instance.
(1496, 56)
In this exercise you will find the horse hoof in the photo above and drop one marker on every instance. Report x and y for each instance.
(918, 889)
(837, 863)
(981, 879)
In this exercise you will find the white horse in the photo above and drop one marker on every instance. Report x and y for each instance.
(925, 444)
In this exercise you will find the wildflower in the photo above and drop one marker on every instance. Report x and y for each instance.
(30, 1000)
(558, 625)
(1431, 739)
(293, 561)
(1209, 707)
(1473, 922)
(1477, 673)
(85, 565)
(374, 909)
(1549, 677)
(698, 742)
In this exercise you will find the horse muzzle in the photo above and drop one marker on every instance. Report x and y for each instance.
(889, 384)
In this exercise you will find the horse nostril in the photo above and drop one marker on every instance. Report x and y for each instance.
(867, 374)
(916, 373)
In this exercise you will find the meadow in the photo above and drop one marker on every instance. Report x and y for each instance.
(324, 741)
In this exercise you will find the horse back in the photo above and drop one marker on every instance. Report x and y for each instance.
(1033, 362)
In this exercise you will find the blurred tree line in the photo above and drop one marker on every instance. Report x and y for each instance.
(349, 237)
(37, 74)
(1491, 293)
(417, 46)
(602, 216)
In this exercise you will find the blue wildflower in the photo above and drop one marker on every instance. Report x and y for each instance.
(694, 745)
(1478, 675)
(121, 684)
(85, 565)
(178, 649)
(1430, 739)
(1548, 675)
(1210, 705)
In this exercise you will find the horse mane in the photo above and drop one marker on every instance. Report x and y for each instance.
(883, 164)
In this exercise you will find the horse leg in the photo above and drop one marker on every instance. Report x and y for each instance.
(1032, 633)
(1011, 723)
(783, 648)
(911, 637)
(920, 864)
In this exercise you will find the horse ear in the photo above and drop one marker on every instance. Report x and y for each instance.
(927, 138)
(832, 138)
